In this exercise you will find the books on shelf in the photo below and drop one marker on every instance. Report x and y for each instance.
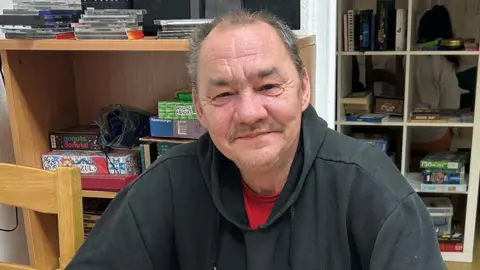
(384, 141)
(379, 30)
(364, 107)
(444, 161)
(432, 115)
(453, 44)
(454, 241)
(358, 102)
(367, 117)
(444, 172)
(381, 141)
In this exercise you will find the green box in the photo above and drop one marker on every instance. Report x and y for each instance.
(176, 110)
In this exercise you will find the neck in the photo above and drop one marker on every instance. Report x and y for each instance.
(272, 180)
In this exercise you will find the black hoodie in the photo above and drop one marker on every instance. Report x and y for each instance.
(344, 206)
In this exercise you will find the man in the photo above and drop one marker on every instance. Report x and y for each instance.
(269, 186)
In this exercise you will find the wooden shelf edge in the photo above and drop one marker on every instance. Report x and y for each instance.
(147, 44)
(98, 194)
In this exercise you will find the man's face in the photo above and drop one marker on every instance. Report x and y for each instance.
(250, 96)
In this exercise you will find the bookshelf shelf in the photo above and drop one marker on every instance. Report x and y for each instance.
(391, 53)
(358, 67)
(98, 194)
(386, 53)
(460, 53)
(447, 124)
(147, 44)
(393, 122)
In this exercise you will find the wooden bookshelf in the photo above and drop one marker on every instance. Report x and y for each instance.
(415, 9)
(98, 194)
(54, 84)
(147, 44)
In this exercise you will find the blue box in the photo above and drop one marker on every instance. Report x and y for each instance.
(187, 129)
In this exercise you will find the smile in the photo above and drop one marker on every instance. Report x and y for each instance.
(254, 135)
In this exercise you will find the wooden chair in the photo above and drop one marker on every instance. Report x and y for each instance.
(47, 192)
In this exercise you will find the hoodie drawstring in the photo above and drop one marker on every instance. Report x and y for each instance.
(290, 237)
(215, 240)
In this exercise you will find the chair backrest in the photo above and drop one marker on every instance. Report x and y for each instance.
(48, 192)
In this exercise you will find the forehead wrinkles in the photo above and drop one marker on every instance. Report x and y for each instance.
(233, 48)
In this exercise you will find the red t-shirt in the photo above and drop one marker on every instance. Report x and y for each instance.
(258, 207)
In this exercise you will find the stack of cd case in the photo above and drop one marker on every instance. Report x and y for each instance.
(107, 4)
(110, 24)
(178, 29)
(38, 24)
(47, 4)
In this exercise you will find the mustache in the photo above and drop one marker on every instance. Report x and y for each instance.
(257, 128)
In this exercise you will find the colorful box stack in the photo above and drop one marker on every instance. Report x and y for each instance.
(176, 123)
(79, 146)
(444, 171)
(176, 119)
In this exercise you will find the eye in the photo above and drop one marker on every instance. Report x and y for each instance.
(222, 99)
(222, 95)
(267, 87)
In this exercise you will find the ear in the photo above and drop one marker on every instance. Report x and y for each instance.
(198, 107)
(306, 90)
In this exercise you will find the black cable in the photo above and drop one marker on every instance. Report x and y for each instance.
(16, 223)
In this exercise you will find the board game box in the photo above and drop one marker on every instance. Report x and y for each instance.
(188, 129)
(93, 162)
(176, 110)
(444, 160)
(87, 161)
(84, 137)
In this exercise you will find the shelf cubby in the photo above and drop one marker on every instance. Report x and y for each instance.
(355, 67)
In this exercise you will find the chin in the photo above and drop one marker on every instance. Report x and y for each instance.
(257, 159)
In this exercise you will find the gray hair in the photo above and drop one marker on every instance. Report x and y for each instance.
(242, 17)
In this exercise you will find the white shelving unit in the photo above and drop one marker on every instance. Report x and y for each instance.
(415, 8)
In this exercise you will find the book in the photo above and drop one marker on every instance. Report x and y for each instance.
(400, 30)
(444, 160)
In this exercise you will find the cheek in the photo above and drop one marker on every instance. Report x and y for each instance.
(218, 120)
(284, 109)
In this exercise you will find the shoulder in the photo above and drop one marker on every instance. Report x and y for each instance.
(363, 165)
(180, 156)
(172, 165)
(373, 189)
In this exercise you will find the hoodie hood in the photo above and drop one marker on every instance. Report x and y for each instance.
(223, 178)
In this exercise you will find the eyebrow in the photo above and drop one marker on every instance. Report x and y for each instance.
(218, 83)
(267, 73)
(273, 71)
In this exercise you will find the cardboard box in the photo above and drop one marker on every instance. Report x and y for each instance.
(188, 129)
(87, 161)
(92, 162)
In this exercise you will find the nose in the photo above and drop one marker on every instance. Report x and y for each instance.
(249, 108)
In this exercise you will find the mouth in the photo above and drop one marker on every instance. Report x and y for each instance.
(252, 136)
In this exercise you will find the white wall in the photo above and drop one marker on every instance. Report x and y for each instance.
(6, 4)
(13, 247)
(318, 17)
